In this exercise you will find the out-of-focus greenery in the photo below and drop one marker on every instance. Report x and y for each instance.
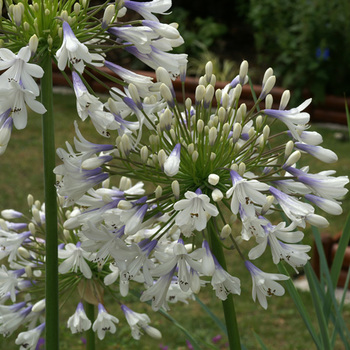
(306, 41)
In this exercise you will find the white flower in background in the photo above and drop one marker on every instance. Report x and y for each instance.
(79, 322)
(74, 52)
(74, 257)
(139, 322)
(28, 340)
(104, 322)
(194, 211)
(264, 284)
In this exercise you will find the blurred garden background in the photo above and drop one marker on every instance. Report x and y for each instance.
(307, 43)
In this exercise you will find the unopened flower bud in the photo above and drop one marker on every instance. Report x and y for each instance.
(163, 76)
(217, 195)
(317, 220)
(153, 332)
(195, 156)
(126, 144)
(190, 148)
(266, 132)
(32, 228)
(225, 231)
(241, 168)
(209, 94)
(199, 94)
(213, 179)
(39, 306)
(144, 154)
(218, 96)
(10, 214)
(234, 167)
(161, 158)
(33, 44)
(167, 95)
(268, 101)
(237, 92)
(243, 71)
(200, 126)
(267, 205)
(270, 83)
(124, 183)
(292, 159)
(23, 252)
(66, 232)
(124, 205)
(158, 192)
(284, 100)
(212, 156)
(17, 13)
(107, 16)
(135, 95)
(289, 148)
(176, 189)
(64, 15)
(268, 73)
(77, 8)
(258, 122)
(29, 271)
(188, 103)
(213, 133)
(209, 69)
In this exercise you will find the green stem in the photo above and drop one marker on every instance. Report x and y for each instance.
(90, 334)
(228, 305)
(52, 320)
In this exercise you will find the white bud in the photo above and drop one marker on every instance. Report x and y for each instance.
(32, 228)
(225, 100)
(77, 8)
(251, 132)
(23, 252)
(217, 195)
(289, 148)
(199, 94)
(29, 271)
(164, 77)
(292, 159)
(200, 126)
(237, 92)
(267, 205)
(234, 167)
(221, 114)
(267, 75)
(266, 132)
(167, 95)
(135, 95)
(33, 44)
(108, 16)
(161, 158)
(39, 306)
(243, 71)
(152, 332)
(195, 156)
(30, 200)
(144, 154)
(258, 122)
(317, 220)
(66, 232)
(241, 168)
(225, 231)
(213, 133)
(268, 101)
(284, 99)
(188, 103)
(124, 205)
(125, 144)
(175, 188)
(270, 83)
(213, 179)
(212, 156)
(92, 163)
(190, 148)
(209, 94)
(209, 70)
(218, 95)
(158, 192)
(124, 183)
(17, 13)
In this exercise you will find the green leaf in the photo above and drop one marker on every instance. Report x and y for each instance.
(300, 306)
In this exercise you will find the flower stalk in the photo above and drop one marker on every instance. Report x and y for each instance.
(90, 334)
(228, 304)
(52, 320)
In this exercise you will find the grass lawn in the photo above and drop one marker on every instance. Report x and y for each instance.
(280, 327)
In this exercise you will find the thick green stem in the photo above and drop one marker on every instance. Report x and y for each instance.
(90, 334)
(228, 305)
(52, 320)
